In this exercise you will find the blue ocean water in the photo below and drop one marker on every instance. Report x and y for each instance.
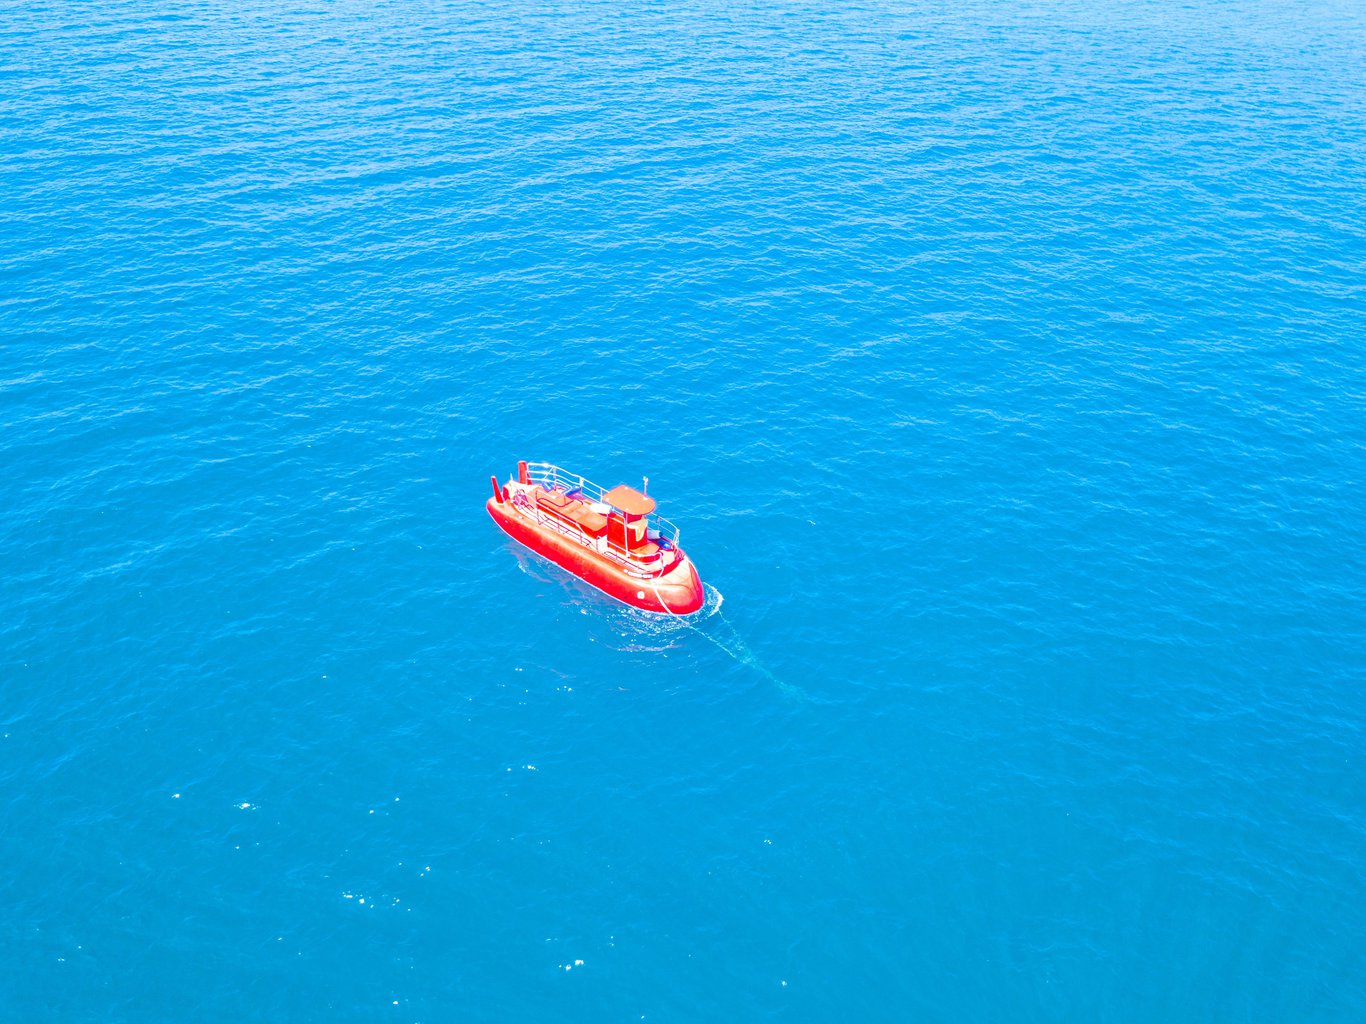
(1002, 364)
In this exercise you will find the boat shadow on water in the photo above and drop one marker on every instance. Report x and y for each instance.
(634, 631)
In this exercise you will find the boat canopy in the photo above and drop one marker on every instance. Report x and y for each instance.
(629, 500)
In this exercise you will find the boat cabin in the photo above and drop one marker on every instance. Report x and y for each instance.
(619, 522)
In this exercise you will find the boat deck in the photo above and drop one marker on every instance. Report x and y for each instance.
(595, 523)
(551, 478)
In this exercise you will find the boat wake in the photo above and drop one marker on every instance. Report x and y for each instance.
(715, 627)
(653, 633)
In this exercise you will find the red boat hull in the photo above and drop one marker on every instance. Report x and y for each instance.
(678, 591)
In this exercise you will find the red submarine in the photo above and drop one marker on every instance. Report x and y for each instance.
(612, 540)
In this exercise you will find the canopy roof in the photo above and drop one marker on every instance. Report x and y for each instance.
(629, 500)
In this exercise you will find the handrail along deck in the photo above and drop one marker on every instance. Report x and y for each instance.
(552, 477)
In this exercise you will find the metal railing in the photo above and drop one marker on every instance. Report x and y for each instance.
(640, 570)
(552, 477)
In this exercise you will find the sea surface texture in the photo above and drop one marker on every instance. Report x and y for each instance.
(1003, 364)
